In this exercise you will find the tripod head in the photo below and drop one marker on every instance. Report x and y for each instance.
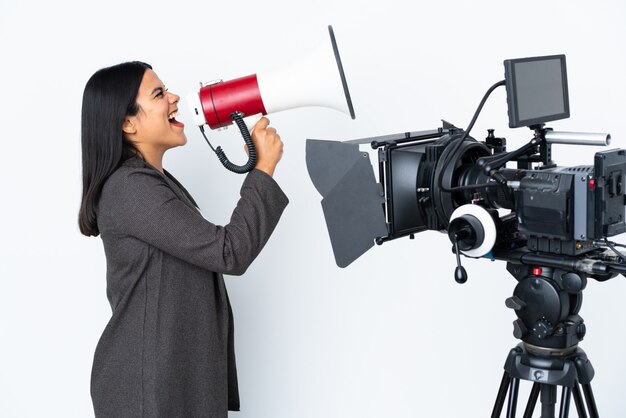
(549, 295)
(546, 302)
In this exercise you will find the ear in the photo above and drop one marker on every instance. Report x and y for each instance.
(129, 126)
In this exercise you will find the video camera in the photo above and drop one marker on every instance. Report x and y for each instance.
(550, 224)
(446, 180)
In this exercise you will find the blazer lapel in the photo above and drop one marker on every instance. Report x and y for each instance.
(181, 192)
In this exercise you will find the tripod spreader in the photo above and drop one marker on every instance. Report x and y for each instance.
(571, 371)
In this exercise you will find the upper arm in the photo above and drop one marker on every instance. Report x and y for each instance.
(143, 205)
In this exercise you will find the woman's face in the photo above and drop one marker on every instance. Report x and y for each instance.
(155, 128)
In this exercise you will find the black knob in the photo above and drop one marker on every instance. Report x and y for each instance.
(460, 275)
(581, 330)
(519, 329)
(572, 283)
(543, 328)
(515, 303)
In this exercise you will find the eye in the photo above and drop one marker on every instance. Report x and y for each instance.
(161, 93)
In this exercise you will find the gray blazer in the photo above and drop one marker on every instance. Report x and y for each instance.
(168, 349)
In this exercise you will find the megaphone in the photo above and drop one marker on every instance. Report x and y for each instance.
(317, 79)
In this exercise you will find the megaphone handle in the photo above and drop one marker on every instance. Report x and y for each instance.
(221, 155)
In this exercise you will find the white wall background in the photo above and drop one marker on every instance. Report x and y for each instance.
(392, 335)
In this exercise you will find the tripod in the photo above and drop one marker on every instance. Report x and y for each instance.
(546, 302)
(548, 369)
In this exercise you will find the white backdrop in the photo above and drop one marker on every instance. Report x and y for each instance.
(392, 335)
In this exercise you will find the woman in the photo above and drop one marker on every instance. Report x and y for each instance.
(168, 349)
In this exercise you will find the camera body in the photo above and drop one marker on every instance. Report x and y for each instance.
(564, 210)
(556, 210)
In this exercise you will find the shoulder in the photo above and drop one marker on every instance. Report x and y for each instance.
(130, 175)
(134, 181)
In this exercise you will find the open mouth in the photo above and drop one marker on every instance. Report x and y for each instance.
(172, 119)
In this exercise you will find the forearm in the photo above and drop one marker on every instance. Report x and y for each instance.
(253, 220)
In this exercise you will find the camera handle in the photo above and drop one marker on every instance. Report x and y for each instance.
(544, 138)
(492, 164)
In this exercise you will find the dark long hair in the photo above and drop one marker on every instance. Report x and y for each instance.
(110, 95)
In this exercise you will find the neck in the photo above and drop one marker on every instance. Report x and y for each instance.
(153, 156)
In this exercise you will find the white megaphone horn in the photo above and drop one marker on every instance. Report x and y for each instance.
(315, 80)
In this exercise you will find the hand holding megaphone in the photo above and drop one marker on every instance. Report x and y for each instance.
(315, 80)
(268, 146)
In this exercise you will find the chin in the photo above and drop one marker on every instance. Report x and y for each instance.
(180, 141)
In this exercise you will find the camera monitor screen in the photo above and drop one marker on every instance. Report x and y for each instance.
(536, 90)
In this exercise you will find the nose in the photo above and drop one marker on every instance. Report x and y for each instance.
(173, 98)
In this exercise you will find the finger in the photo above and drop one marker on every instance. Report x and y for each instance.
(261, 124)
(270, 130)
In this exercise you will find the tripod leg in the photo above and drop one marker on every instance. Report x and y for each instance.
(548, 400)
(532, 401)
(591, 402)
(497, 408)
(565, 399)
(578, 400)
(514, 389)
